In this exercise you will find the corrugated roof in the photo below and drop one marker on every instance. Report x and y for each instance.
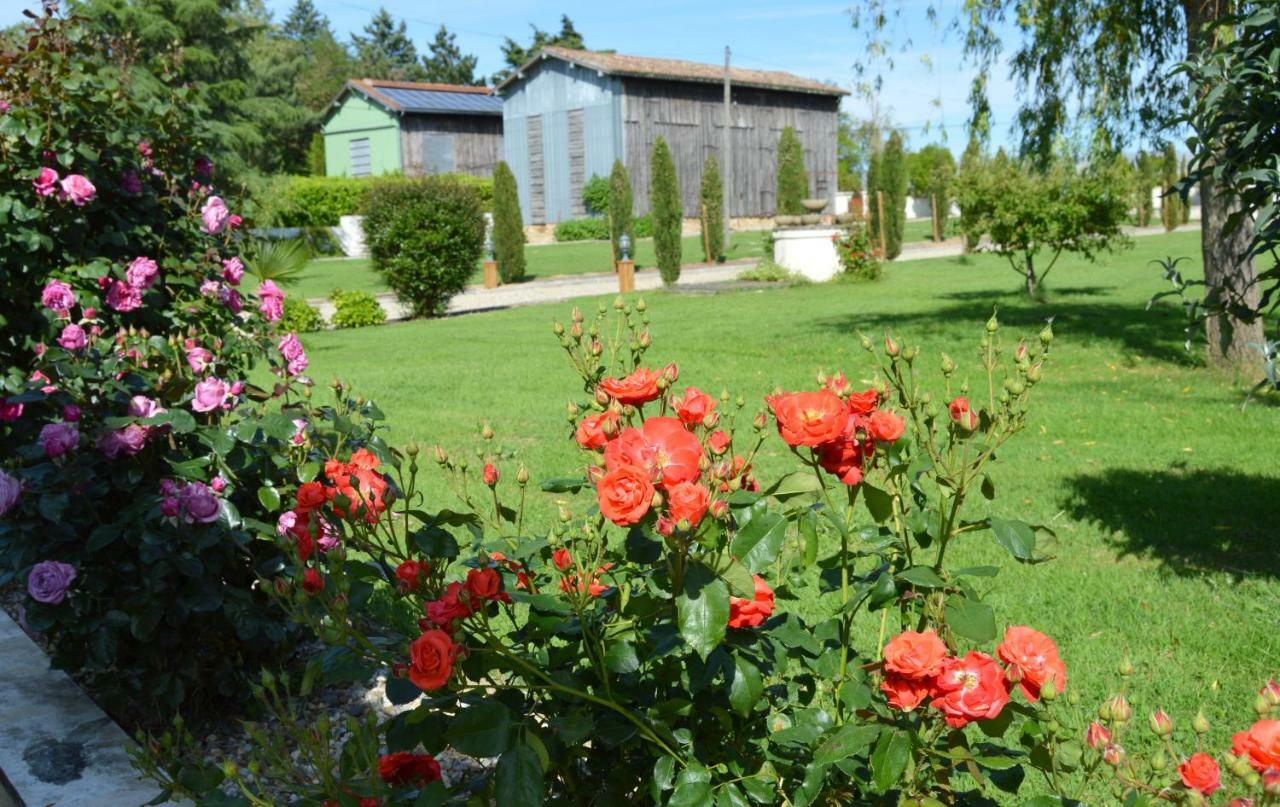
(619, 64)
(448, 99)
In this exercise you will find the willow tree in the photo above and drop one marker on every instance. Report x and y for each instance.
(1111, 65)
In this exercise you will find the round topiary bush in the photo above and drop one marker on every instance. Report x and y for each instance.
(426, 237)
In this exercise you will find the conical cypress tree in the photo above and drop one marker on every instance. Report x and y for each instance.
(793, 184)
(667, 211)
(619, 207)
(712, 213)
(893, 180)
(873, 185)
(508, 226)
(1171, 204)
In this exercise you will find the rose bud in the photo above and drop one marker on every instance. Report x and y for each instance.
(891, 348)
(719, 508)
(576, 314)
(594, 474)
(671, 372)
(1159, 761)
(1113, 755)
(1161, 724)
(948, 365)
(1097, 735)
(1272, 693)
(1200, 723)
(596, 348)
(760, 420)
(1125, 667)
(576, 332)
(644, 340)
(1119, 708)
(866, 343)
(711, 420)
(1261, 705)
(442, 456)
(557, 329)
(1046, 335)
(490, 474)
(522, 476)
(993, 324)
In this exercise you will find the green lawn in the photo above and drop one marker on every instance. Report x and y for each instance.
(1162, 491)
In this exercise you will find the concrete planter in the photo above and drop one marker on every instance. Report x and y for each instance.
(810, 251)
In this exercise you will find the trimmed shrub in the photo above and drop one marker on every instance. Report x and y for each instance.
(356, 309)
(620, 207)
(595, 195)
(315, 155)
(667, 212)
(508, 226)
(315, 201)
(711, 213)
(769, 272)
(589, 229)
(972, 164)
(300, 317)
(793, 183)
(893, 182)
(426, 237)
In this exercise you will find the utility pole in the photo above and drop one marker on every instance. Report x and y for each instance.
(726, 160)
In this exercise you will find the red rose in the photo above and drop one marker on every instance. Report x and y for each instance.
(410, 573)
(451, 606)
(744, 613)
(1036, 657)
(915, 655)
(970, 688)
(1097, 735)
(636, 389)
(625, 494)
(863, 403)
(808, 418)
(903, 693)
(312, 582)
(1201, 773)
(687, 501)
(365, 460)
(485, 585)
(719, 442)
(562, 559)
(694, 407)
(845, 457)
(595, 588)
(311, 495)
(595, 430)
(663, 446)
(490, 474)
(431, 658)
(1260, 745)
(962, 414)
(885, 427)
(404, 768)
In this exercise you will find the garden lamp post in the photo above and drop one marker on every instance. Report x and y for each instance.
(490, 265)
(626, 266)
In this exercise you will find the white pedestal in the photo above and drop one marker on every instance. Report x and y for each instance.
(810, 251)
(350, 236)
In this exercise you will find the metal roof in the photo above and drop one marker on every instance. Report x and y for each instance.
(439, 99)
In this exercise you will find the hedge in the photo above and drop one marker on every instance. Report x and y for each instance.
(597, 229)
(321, 201)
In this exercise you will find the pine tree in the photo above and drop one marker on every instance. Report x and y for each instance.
(508, 226)
(667, 211)
(515, 55)
(893, 180)
(386, 52)
(1171, 204)
(793, 184)
(619, 206)
(304, 23)
(446, 63)
(712, 211)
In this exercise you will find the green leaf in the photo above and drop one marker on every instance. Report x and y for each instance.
(269, 497)
(434, 542)
(101, 536)
(693, 789)
(889, 760)
(746, 686)
(971, 619)
(730, 796)
(740, 581)
(564, 485)
(401, 691)
(621, 658)
(1016, 537)
(849, 740)
(795, 484)
(922, 577)
(808, 526)
(988, 488)
(518, 779)
(879, 503)
(481, 730)
(663, 775)
(757, 544)
(702, 607)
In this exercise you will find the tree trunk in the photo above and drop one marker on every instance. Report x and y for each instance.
(1031, 277)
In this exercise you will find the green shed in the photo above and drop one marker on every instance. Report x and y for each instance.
(382, 127)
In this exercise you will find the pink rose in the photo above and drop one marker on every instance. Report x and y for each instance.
(199, 359)
(299, 432)
(46, 182)
(232, 270)
(199, 503)
(294, 356)
(48, 386)
(214, 214)
(272, 301)
(123, 297)
(287, 521)
(123, 442)
(73, 337)
(78, 189)
(210, 394)
(142, 272)
(234, 222)
(144, 148)
(58, 438)
(58, 296)
(218, 483)
(9, 411)
(10, 489)
(231, 299)
(140, 406)
(210, 288)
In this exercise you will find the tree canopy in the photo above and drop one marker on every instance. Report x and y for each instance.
(385, 50)
(515, 54)
(445, 63)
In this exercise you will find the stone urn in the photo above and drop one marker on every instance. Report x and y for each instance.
(814, 205)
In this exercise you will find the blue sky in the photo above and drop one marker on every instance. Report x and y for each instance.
(925, 93)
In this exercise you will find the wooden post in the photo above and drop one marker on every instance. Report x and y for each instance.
(626, 276)
(933, 214)
(884, 247)
(490, 274)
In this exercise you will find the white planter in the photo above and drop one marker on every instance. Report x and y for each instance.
(810, 251)
(350, 236)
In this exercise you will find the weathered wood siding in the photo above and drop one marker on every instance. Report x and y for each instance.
(439, 144)
(690, 117)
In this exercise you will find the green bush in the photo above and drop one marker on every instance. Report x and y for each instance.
(300, 317)
(314, 201)
(595, 195)
(356, 309)
(425, 237)
(508, 226)
(857, 256)
(668, 213)
(893, 182)
(620, 207)
(793, 184)
(769, 272)
(712, 213)
(589, 229)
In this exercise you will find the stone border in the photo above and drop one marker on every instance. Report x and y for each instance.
(56, 746)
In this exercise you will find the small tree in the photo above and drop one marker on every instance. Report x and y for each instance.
(619, 206)
(972, 167)
(712, 211)
(932, 176)
(873, 209)
(508, 226)
(793, 184)
(667, 211)
(1171, 202)
(595, 195)
(1030, 215)
(1146, 176)
(893, 180)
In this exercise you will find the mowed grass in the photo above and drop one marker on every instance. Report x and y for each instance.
(323, 275)
(1163, 493)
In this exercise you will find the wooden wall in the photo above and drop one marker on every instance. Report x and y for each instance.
(437, 144)
(690, 118)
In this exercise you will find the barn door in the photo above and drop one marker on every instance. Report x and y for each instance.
(438, 153)
(577, 163)
(537, 173)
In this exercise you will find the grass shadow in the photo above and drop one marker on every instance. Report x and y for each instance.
(1191, 520)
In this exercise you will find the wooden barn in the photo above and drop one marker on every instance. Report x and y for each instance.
(568, 114)
(382, 127)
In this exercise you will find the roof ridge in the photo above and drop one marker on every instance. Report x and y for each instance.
(424, 85)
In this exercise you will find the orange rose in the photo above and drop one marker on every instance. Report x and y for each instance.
(885, 427)
(636, 389)
(484, 585)
(562, 559)
(915, 655)
(431, 658)
(310, 496)
(962, 414)
(404, 768)
(694, 407)
(809, 418)
(903, 693)
(744, 613)
(595, 588)
(863, 403)
(1260, 745)
(365, 460)
(1036, 657)
(625, 494)
(595, 430)
(970, 688)
(719, 442)
(687, 501)
(663, 446)
(1201, 773)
